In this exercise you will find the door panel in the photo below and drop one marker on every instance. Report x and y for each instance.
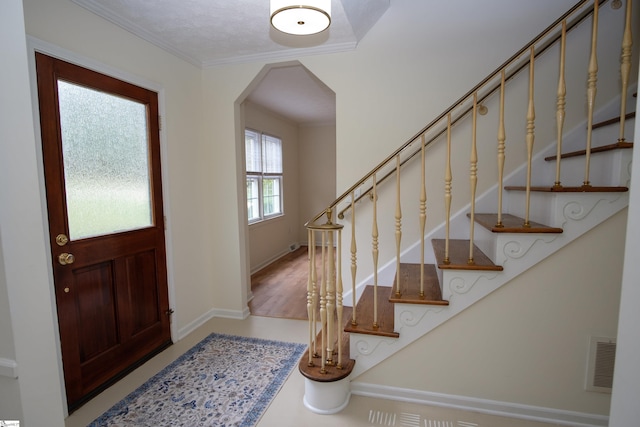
(101, 156)
(141, 271)
(94, 302)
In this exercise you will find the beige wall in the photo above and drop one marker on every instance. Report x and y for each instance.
(271, 239)
(317, 158)
(309, 182)
(103, 45)
(528, 341)
(385, 91)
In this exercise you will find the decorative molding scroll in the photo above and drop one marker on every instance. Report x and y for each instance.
(575, 211)
(460, 285)
(516, 249)
(410, 318)
(368, 346)
(578, 210)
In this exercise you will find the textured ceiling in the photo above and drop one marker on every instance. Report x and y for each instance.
(209, 33)
(216, 32)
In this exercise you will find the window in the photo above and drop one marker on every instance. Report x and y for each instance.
(264, 175)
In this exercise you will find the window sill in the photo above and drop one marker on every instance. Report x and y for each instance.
(267, 221)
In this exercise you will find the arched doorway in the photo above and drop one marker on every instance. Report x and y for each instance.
(290, 103)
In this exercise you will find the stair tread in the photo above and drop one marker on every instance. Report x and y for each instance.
(459, 256)
(410, 286)
(512, 224)
(613, 120)
(600, 149)
(563, 189)
(364, 314)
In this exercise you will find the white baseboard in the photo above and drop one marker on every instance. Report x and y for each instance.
(8, 368)
(214, 312)
(275, 257)
(492, 407)
(232, 314)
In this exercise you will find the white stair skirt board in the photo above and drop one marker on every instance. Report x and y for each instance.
(485, 406)
(326, 398)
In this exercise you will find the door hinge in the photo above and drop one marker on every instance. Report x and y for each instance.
(169, 312)
(159, 122)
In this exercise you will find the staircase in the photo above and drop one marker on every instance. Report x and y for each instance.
(498, 229)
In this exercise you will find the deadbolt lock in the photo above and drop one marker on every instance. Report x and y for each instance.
(62, 239)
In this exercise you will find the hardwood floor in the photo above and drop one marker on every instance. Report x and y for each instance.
(280, 289)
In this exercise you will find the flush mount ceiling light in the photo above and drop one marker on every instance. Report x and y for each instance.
(301, 19)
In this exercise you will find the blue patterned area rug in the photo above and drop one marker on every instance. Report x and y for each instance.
(224, 380)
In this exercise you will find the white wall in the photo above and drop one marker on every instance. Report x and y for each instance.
(37, 392)
(625, 410)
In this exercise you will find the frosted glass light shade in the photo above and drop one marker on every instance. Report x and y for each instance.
(298, 19)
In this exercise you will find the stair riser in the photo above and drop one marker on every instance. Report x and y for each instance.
(611, 168)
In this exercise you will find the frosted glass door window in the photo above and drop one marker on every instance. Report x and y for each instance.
(106, 162)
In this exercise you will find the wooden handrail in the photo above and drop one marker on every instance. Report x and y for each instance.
(465, 98)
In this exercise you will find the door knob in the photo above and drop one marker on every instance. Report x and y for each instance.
(65, 258)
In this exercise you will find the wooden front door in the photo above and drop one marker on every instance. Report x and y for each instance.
(101, 154)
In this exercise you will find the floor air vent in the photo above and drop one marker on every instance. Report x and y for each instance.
(405, 419)
(602, 356)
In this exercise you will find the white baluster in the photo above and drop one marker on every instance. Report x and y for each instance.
(447, 190)
(323, 307)
(354, 265)
(625, 68)
(339, 307)
(501, 148)
(398, 217)
(473, 175)
(331, 292)
(591, 91)
(560, 111)
(310, 308)
(374, 236)
(531, 116)
(423, 211)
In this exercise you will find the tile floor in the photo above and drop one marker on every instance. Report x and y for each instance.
(287, 409)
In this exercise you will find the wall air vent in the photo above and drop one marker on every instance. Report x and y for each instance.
(602, 356)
